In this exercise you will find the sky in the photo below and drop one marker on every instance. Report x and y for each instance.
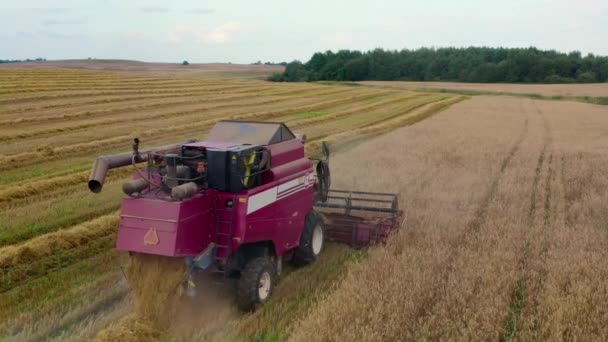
(280, 30)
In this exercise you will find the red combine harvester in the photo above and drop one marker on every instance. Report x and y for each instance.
(241, 202)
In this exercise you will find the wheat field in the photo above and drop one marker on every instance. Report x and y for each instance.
(505, 237)
(506, 233)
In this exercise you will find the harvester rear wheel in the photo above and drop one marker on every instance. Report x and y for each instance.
(256, 283)
(312, 240)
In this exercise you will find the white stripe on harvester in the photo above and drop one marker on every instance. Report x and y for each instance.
(264, 198)
(259, 201)
(290, 191)
(291, 184)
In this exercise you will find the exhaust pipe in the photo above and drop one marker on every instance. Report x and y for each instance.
(102, 164)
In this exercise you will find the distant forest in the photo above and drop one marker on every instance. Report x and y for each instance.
(473, 64)
(25, 60)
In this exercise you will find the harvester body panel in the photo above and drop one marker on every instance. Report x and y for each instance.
(154, 226)
(273, 211)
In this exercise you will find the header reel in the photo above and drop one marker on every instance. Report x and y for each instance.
(357, 218)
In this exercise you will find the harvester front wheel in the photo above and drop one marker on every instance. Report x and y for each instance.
(256, 283)
(312, 240)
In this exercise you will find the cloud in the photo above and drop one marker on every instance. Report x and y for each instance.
(42, 34)
(55, 22)
(218, 35)
(200, 11)
(155, 10)
(222, 33)
(51, 10)
(340, 38)
(134, 35)
(59, 35)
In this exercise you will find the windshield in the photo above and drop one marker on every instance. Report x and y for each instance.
(255, 133)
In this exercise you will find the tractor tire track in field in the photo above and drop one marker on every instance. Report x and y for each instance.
(50, 153)
(428, 304)
(481, 213)
(521, 291)
(541, 276)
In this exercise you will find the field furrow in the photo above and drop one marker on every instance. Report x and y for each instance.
(50, 153)
(67, 104)
(134, 116)
(42, 96)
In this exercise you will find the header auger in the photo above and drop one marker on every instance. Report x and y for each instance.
(241, 202)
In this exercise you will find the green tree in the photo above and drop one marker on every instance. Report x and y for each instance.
(295, 72)
(471, 64)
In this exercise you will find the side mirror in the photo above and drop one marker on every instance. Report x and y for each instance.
(325, 150)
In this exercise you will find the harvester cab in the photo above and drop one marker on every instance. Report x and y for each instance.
(241, 202)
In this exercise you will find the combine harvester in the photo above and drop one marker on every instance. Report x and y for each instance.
(240, 203)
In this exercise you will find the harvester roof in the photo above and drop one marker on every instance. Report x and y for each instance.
(249, 132)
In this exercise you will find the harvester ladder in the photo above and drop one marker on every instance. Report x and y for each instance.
(223, 238)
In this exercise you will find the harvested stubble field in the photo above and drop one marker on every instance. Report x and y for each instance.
(506, 236)
(205, 69)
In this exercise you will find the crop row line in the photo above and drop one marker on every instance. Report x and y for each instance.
(337, 115)
(181, 100)
(408, 117)
(64, 288)
(199, 110)
(118, 86)
(63, 94)
(68, 238)
(28, 189)
(48, 153)
(21, 83)
(44, 186)
(105, 99)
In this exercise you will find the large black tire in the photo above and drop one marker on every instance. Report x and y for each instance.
(256, 283)
(311, 244)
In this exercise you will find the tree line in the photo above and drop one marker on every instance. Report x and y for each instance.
(22, 60)
(472, 64)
